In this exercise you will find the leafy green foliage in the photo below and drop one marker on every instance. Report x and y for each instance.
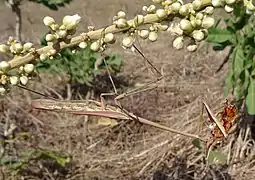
(52, 4)
(239, 35)
(32, 154)
(216, 157)
(81, 66)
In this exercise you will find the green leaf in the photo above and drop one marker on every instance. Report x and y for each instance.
(52, 4)
(245, 82)
(217, 157)
(198, 144)
(229, 82)
(250, 98)
(219, 36)
(238, 61)
(58, 157)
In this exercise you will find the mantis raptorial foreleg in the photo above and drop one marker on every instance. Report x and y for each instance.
(143, 88)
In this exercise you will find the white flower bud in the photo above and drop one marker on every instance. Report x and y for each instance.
(152, 28)
(218, 3)
(50, 37)
(128, 42)
(198, 22)
(193, 20)
(27, 46)
(83, 45)
(4, 65)
(43, 57)
(71, 21)
(91, 28)
(16, 48)
(209, 10)
(95, 46)
(121, 23)
(175, 7)
(61, 34)
(230, 1)
(192, 48)
(144, 33)
(185, 25)
(2, 90)
(14, 80)
(109, 38)
(184, 10)
(115, 18)
(48, 21)
(28, 68)
(153, 36)
(4, 48)
(121, 14)
(163, 27)
(167, 2)
(169, 11)
(198, 35)
(52, 52)
(151, 9)
(161, 13)
(62, 27)
(175, 29)
(199, 15)
(157, 1)
(144, 8)
(21, 68)
(208, 22)
(178, 42)
(23, 80)
(228, 9)
(3, 79)
(54, 27)
(197, 4)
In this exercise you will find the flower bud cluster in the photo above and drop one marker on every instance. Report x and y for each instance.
(60, 32)
(228, 5)
(15, 48)
(101, 44)
(195, 21)
(20, 77)
(11, 78)
(120, 20)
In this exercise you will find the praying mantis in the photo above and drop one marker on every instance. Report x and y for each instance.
(219, 128)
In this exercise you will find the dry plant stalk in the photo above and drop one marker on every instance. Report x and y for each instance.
(222, 127)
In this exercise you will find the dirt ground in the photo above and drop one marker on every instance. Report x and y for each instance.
(130, 150)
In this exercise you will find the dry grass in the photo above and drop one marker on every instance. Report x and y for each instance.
(130, 150)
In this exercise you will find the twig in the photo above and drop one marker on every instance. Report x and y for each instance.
(14, 5)
(148, 150)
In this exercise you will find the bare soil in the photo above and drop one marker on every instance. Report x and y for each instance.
(129, 150)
